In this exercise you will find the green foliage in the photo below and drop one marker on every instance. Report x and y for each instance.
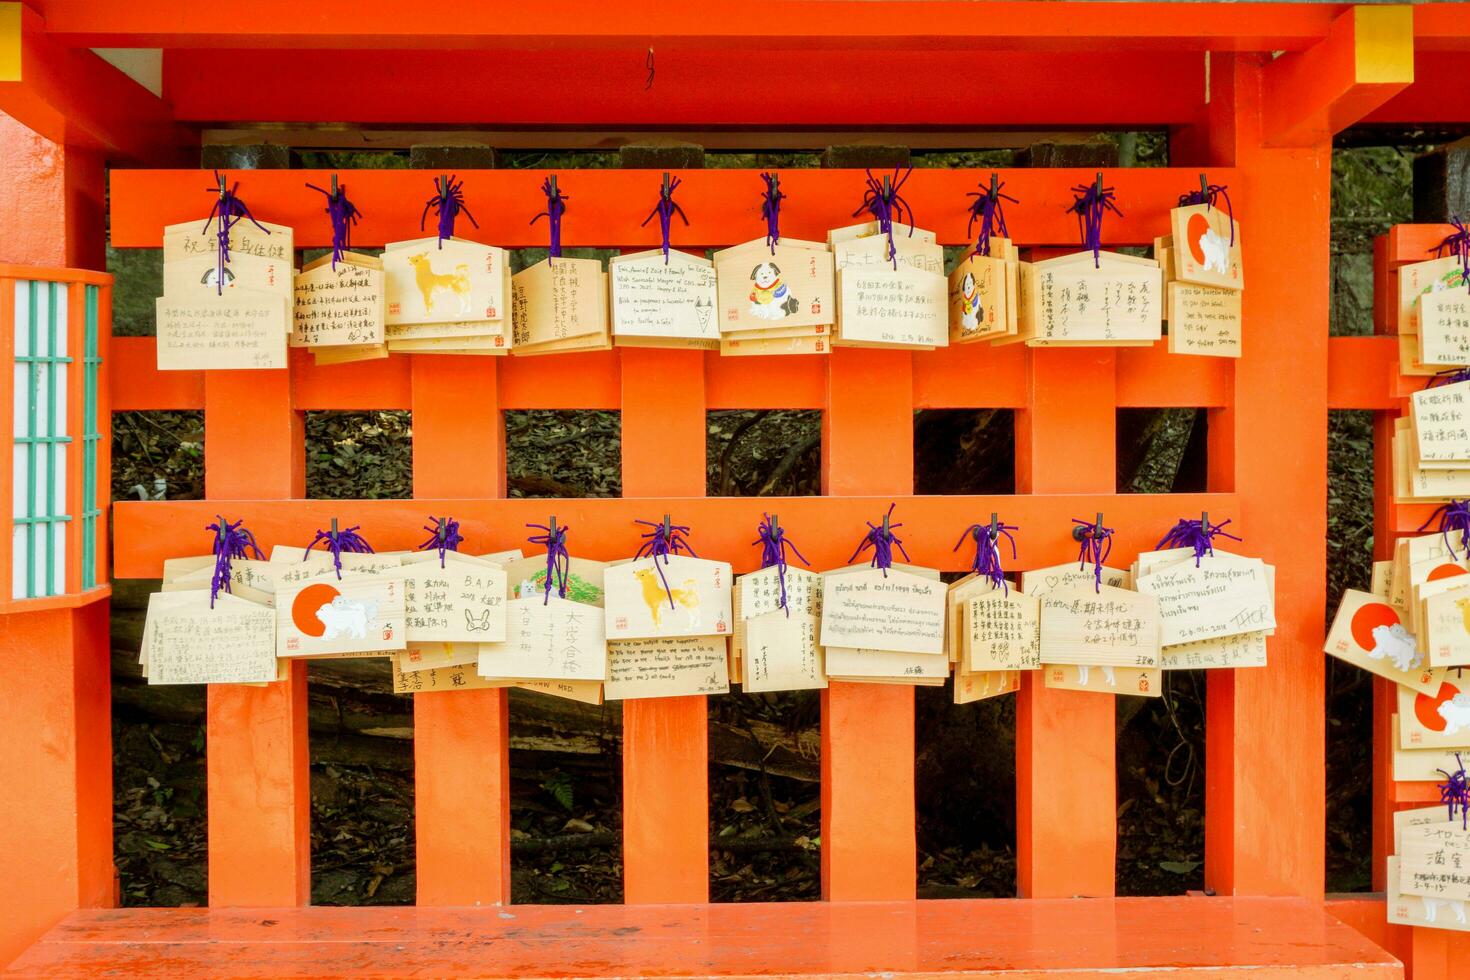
(559, 786)
(359, 455)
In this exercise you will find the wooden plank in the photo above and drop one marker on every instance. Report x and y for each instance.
(609, 205)
(147, 532)
(868, 832)
(1265, 938)
(258, 759)
(1066, 771)
(461, 739)
(665, 740)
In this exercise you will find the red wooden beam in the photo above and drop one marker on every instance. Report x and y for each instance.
(608, 206)
(758, 89)
(1366, 59)
(74, 98)
(148, 532)
(634, 24)
(1361, 372)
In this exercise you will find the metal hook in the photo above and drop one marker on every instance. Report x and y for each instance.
(994, 526)
(886, 533)
(1204, 189)
(668, 527)
(666, 192)
(1204, 521)
(439, 535)
(1099, 196)
(775, 185)
(775, 526)
(553, 527)
(334, 527)
(443, 187)
(334, 185)
(886, 192)
(1079, 531)
(994, 186)
(222, 180)
(552, 181)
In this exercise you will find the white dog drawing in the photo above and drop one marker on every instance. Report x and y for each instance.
(769, 297)
(1431, 909)
(1216, 251)
(1108, 675)
(1396, 644)
(969, 303)
(351, 617)
(1456, 713)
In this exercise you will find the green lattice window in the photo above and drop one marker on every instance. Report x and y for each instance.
(39, 490)
(91, 437)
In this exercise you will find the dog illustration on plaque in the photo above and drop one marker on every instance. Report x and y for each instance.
(769, 297)
(476, 625)
(655, 596)
(347, 617)
(1108, 675)
(1431, 909)
(430, 282)
(970, 309)
(1396, 644)
(1209, 249)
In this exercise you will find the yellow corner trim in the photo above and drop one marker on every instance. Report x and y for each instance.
(1383, 42)
(10, 42)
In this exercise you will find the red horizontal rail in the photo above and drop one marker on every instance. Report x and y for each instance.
(827, 527)
(634, 24)
(1363, 372)
(967, 376)
(608, 206)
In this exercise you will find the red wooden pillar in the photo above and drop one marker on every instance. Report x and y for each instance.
(1066, 768)
(665, 740)
(57, 769)
(461, 739)
(868, 844)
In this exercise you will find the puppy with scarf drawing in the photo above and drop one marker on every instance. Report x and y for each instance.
(769, 297)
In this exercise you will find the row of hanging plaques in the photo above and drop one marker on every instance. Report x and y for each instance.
(232, 298)
(668, 623)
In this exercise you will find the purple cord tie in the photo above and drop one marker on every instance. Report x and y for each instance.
(987, 554)
(1093, 201)
(556, 206)
(231, 541)
(558, 559)
(229, 209)
(664, 540)
(1097, 544)
(1457, 244)
(443, 535)
(1195, 534)
(771, 211)
(340, 541)
(343, 215)
(666, 208)
(989, 210)
(885, 204)
(1452, 376)
(447, 202)
(1453, 516)
(1455, 793)
(881, 539)
(1208, 196)
(773, 541)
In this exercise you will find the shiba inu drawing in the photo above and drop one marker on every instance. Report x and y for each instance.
(430, 282)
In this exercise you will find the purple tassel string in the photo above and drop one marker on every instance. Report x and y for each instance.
(1453, 517)
(1096, 545)
(771, 211)
(1457, 244)
(773, 541)
(665, 209)
(881, 539)
(447, 203)
(343, 214)
(988, 209)
(339, 541)
(556, 206)
(1208, 195)
(558, 559)
(1455, 793)
(882, 200)
(1195, 534)
(443, 535)
(662, 541)
(228, 209)
(1452, 376)
(231, 541)
(1093, 201)
(987, 553)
